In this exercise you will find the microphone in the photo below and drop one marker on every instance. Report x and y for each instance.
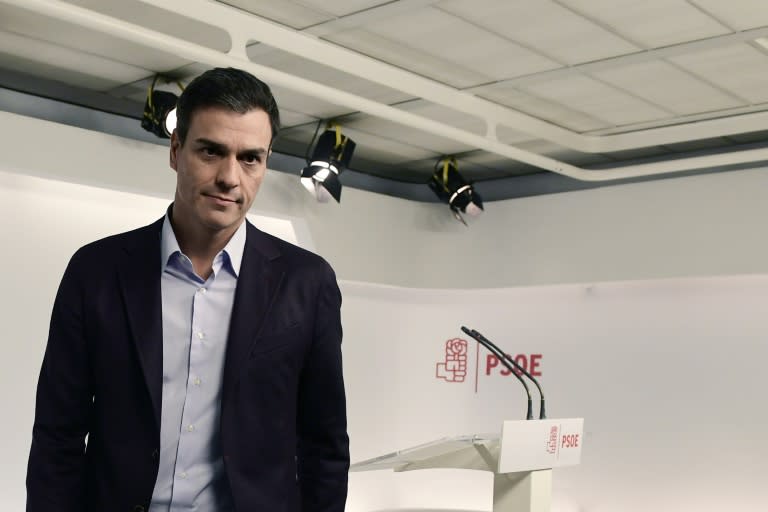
(505, 361)
(486, 342)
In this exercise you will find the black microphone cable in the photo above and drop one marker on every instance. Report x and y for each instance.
(504, 360)
(542, 412)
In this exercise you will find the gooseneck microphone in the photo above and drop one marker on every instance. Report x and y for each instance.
(501, 356)
(507, 360)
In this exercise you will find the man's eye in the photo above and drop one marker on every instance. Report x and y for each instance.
(209, 151)
(251, 159)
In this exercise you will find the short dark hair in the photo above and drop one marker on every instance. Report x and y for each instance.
(230, 88)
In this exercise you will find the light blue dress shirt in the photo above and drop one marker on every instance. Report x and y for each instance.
(196, 314)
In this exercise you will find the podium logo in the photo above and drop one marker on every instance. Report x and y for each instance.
(552, 441)
(454, 367)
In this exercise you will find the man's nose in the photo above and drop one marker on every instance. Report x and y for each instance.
(228, 173)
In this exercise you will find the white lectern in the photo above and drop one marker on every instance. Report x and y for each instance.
(521, 459)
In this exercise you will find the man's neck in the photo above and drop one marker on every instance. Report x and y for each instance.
(202, 247)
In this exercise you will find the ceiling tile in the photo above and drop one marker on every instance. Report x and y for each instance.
(741, 69)
(404, 134)
(737, 14)
(554, 112)
(170, 23)
(445, 115)
(597, 100)
(308, 105)
(458, 43)
(75, 37)
(341, 7)
(62, 64)
(284, 12)
(544, 26)
(408, 58)
(651, 23)
(274, 58)
(668, 87)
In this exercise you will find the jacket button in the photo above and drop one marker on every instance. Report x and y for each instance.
(138, 508)
(155, 454)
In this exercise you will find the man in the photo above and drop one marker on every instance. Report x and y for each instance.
(200, 356)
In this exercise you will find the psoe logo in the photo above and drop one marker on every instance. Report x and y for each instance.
(454, 367)
(552, 441)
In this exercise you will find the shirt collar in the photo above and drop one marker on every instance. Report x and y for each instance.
(234, 249)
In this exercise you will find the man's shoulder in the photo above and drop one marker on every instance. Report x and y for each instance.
(293, 255)
(148, 235)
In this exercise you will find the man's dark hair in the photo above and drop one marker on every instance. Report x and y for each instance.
(230, 88)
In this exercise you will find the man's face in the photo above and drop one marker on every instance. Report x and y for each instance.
(219, 168)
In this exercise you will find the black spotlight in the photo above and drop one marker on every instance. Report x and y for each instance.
(453, 189)
(331, 156)
(160, 112)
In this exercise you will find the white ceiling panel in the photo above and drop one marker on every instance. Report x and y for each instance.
(445, 115)
(68, 66)
(404, 135)
(411, 59)
(290, 63)
(370, 145)
(44, 28)
(290, 118)
(453, 40)
(554, 112)
(739, 68)
(598, 100)
(544, 26)
(737, 14)
(173, 24)
(667, 86)
(651, 23)
(301, 103)
(341, 7)
(304, 13)
(284, 12)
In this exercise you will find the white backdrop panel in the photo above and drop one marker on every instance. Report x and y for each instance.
(667, 374)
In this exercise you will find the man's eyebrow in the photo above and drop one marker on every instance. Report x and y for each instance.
(210, 144)
(223, 148)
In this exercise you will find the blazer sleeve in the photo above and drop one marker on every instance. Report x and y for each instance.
(56, 469)
(323, 444)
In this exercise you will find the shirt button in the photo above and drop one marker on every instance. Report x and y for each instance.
(200, 334)
(183, 474)
(201, 290)
(191, 428)
(197, 381)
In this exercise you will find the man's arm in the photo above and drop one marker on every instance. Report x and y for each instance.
(56, 470)
(323, 445)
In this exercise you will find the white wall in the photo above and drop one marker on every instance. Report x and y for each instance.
(707, 226)
(692, 226)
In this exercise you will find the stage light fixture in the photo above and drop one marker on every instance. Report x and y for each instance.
(160, 111)
(331, 156)
(451, 188)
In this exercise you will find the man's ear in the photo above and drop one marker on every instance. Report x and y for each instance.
(174, 152)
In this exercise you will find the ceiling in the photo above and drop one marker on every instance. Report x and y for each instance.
(587, 92)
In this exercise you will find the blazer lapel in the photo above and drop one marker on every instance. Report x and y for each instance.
(257, 285)
(139, 274)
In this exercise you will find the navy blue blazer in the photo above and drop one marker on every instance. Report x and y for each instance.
(283, 417)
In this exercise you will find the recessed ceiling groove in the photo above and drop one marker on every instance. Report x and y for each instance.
(711, 15)
(369, 15)
(705, 80)
(521, 44)
(605, 26)
(634, 95)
